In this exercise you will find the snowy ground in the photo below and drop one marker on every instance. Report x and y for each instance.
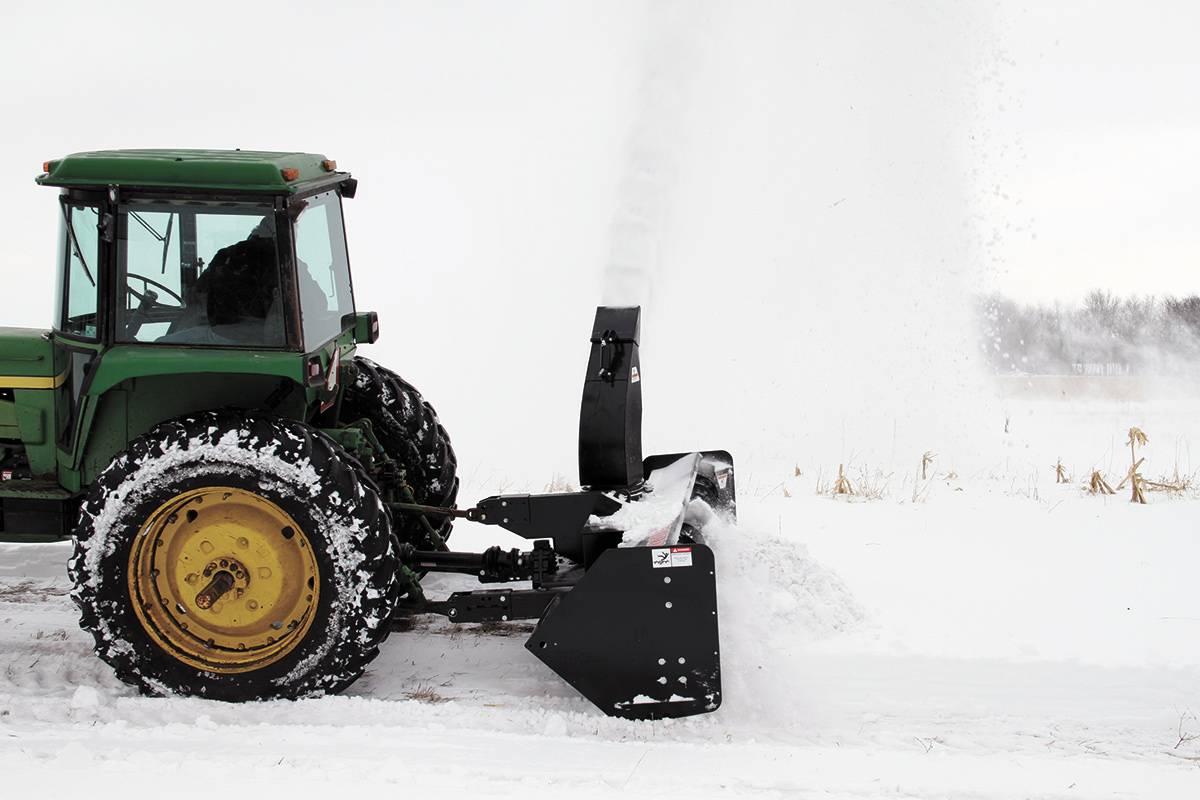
(997, 638)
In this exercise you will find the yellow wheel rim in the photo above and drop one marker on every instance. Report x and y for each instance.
(223, 579)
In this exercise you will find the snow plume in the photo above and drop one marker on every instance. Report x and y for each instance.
(813, 291)
(657, 130)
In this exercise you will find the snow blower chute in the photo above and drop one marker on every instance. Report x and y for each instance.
(621, 582)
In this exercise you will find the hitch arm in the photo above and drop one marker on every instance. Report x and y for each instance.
(437, 511)
(561, 516)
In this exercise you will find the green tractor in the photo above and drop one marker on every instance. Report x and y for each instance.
(253, 504)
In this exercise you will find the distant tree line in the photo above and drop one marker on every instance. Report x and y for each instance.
(1105, 335)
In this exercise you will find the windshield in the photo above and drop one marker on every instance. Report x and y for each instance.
(323, 269)
(192, 272)
(78, 257)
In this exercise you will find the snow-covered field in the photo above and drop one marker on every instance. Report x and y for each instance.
(1002, 636)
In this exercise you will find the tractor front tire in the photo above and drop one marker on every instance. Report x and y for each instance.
(235, 557)
(408, 428)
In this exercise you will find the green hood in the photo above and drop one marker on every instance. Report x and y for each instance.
(25, 352)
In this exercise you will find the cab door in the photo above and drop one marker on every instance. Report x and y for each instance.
(84, 234)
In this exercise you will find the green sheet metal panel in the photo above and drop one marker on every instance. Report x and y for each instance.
(232, 170)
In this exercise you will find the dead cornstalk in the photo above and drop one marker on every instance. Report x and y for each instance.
(1137, 438)
(926, 461)
(842, 486)
(1098, 485)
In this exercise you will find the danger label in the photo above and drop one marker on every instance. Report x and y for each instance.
(634, 377)
(671, 557)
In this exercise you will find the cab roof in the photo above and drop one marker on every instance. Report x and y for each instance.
(222, 170)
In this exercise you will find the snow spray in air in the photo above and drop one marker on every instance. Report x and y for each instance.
(811, 293)
(651, 166)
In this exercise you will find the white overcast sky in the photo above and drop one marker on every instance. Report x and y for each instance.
(1086, 115)
(1094, 116)
(816, 189)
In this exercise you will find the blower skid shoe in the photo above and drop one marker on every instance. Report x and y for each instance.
(637, 636)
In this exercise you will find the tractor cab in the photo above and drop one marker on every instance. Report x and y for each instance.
(202, 249)
(186, 280)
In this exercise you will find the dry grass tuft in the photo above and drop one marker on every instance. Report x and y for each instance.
(866, 485)
(425, 694)
(1176, 483)
(559, 483)
(874, 484)
(1060, 473)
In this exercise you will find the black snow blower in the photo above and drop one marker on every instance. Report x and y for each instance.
(621, 582)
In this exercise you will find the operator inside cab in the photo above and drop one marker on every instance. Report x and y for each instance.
(236, 299)
(210, 273)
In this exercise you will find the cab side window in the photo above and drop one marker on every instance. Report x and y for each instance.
(78, 262)
(323, 268)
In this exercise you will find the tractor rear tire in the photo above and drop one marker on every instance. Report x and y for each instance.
(235, 557)
(408, 428)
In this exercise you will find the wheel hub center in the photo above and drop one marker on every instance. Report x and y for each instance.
(225, 575)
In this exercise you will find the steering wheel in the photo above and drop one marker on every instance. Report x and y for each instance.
(147, 300)
(146, 284)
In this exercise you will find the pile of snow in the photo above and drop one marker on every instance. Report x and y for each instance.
(775, 600)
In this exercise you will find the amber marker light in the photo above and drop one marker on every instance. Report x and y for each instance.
(290, 173)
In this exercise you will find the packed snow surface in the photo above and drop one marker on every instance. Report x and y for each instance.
(1000, 636)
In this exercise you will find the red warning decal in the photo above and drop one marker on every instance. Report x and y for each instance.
(671, 557)
(681, 556)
